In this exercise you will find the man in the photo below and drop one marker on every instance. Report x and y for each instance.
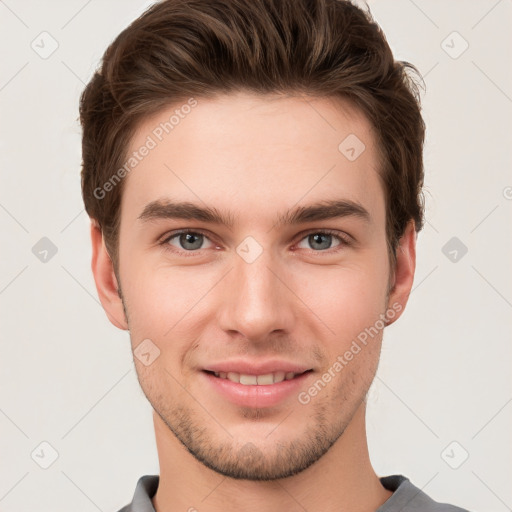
(253, 172)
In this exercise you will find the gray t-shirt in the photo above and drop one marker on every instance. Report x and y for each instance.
(406, 497)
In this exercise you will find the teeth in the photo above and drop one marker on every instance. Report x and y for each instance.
(263, 380)
(279, 377)
(233, 377)
(248, 380)
(252, 380)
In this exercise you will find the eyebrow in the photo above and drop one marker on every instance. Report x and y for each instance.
(324, 210)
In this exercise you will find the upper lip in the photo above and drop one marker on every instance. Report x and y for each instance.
(257, 368)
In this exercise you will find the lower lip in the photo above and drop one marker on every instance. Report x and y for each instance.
(254, 395)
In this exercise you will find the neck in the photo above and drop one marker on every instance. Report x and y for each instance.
(343, 479)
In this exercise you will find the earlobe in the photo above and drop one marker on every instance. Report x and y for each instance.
(105, 279)
(403, 272)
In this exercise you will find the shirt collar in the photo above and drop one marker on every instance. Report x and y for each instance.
(148, 484)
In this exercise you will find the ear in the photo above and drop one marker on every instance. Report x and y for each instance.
(105, 279)
(403, 272)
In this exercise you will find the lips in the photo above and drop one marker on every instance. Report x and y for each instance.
(256, 383)
(259, 395)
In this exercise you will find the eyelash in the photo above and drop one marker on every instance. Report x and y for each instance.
(343, 239)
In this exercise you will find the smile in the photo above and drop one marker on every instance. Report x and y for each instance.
(259, 380)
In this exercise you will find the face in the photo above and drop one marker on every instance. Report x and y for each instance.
(284, 270)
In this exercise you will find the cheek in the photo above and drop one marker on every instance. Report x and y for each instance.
(348, 299)
(160, 300)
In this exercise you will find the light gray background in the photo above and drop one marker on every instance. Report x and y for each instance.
(67, 374)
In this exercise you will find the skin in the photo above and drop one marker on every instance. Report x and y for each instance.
(257, 156)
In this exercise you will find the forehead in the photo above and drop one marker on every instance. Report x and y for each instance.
(251, 152)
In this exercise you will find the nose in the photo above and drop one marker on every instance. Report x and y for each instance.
(257, 299)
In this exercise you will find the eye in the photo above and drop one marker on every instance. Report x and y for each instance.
(186, 241)
(322, 240)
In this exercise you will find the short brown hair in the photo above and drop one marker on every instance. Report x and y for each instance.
(199, 48)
